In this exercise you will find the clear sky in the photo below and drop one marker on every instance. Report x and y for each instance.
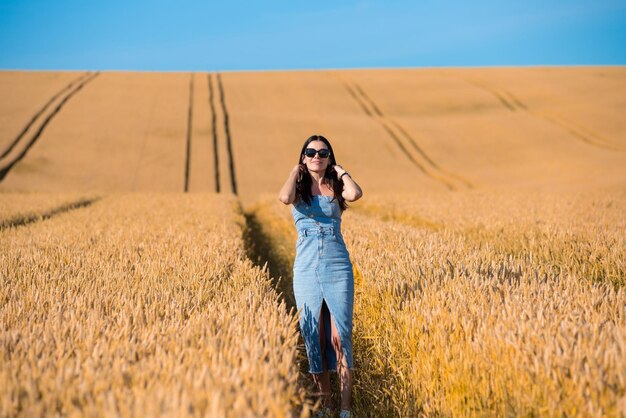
(213, 35)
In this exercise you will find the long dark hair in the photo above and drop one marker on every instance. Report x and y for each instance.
(303, 185)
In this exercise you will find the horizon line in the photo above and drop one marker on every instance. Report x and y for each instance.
(318, 69)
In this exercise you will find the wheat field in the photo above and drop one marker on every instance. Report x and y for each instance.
(146, 263)
(142, 306)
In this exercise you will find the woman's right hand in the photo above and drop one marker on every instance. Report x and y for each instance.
(299, 169)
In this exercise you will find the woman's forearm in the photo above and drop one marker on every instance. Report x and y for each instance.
(287, 193)
(351, 188)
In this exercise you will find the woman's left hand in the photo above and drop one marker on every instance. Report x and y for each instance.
(339, 170)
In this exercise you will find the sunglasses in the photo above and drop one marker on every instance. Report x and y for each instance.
(310, 152)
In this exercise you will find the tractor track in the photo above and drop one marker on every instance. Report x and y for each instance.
(216, 160)
(367, 98)
(426, 166)
(511, 102)
(355, 97)
(429, 160)
(511, 105)
(31, 218)
(14, 155)
(231, 163)
(579, 132)
(39, 113)
(212, 79)
(189, 128)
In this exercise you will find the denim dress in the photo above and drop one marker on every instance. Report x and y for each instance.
(322, 271)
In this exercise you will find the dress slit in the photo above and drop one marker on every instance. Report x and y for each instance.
(328, 341)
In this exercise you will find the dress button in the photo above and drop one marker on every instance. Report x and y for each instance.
(310, 216)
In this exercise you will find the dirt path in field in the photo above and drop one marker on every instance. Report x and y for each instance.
(20, 146)
(396, 132)
(262, 251)
(269, 244)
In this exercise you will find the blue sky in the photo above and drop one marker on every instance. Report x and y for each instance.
(292, 34)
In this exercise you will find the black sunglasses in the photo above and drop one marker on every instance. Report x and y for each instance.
(310, 152)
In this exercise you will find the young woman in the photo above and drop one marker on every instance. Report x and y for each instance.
(323, 282)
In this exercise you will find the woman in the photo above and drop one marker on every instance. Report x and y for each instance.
(323, 282)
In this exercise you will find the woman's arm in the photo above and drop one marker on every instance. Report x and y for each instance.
(287, 193)
(351, 190)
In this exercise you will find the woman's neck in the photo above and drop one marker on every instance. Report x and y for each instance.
(321, 184)
(317, 177)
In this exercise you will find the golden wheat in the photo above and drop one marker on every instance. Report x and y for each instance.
(142, 305)
(579, 233)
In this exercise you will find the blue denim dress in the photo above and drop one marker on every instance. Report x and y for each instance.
(322, 271)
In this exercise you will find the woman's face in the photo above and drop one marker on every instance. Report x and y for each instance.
(316, 163)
